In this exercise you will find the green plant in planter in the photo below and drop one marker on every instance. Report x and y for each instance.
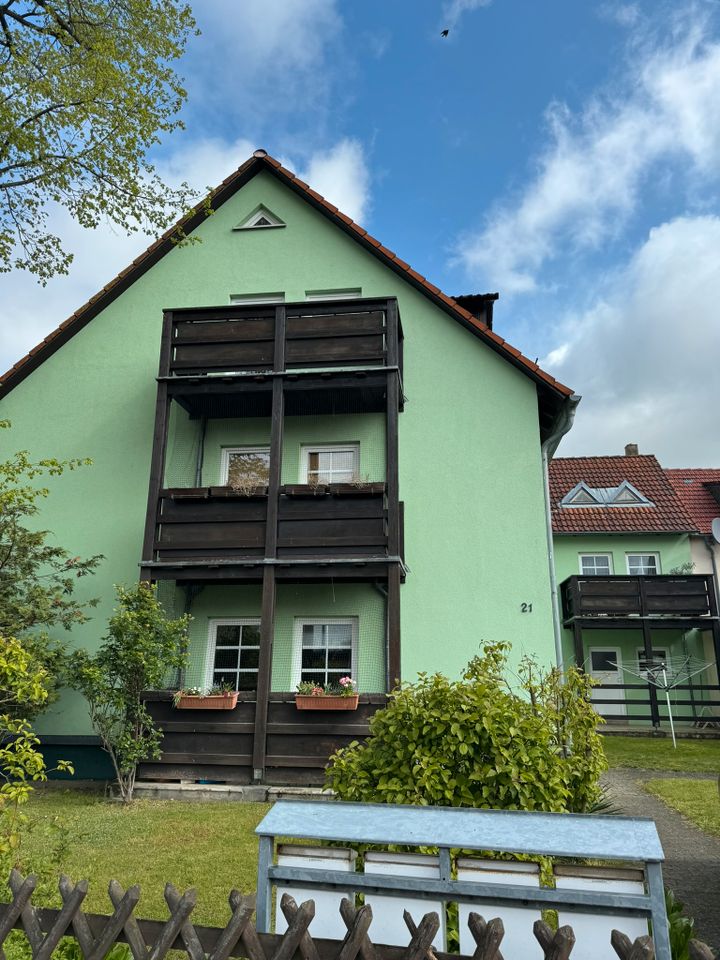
(479, 742)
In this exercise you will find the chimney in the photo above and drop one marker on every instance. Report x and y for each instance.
(631, 450)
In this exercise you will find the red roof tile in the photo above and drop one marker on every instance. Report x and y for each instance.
(692, 485)
(668, 515)
(259, 161)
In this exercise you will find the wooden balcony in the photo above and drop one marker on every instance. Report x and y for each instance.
(332, 356)
(208, 532)
(690, 597)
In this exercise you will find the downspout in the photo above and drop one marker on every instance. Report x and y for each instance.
(710, 546)
(562, 425)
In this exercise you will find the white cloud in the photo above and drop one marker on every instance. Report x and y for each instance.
(257, 60)
(341, 175)
(29, 312)
(589, 180)
(645, 357)
(454, 10)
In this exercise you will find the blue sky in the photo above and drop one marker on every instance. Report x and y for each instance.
(563, 153)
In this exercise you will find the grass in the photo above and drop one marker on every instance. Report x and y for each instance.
(697, 800)
(210, 846)
(691, 756)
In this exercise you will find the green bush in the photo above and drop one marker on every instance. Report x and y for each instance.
(478, 742)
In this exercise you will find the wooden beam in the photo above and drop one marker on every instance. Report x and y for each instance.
(393, 495)
(578, 643)
(157, 458)
(269, 593)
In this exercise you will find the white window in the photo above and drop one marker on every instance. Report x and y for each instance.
(654, 665)
(245, 467)
(643, 564)
(348, 293)
(596, 564)
(252, 299)
(233, 653)
(339, 463)
(261, 218)
(325, 649)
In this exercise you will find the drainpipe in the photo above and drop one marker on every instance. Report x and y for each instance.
(562, 425)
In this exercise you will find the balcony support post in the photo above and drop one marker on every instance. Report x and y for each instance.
(157, 457)
(652, 689)
(578, 644)
(393, 493)
(269, 593)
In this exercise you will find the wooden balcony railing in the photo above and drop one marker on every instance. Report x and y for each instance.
(238, 339)
(688, 596)
(215, 523)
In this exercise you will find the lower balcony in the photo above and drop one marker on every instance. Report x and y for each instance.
(216, 533)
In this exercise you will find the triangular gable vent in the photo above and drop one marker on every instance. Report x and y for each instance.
(260, 218)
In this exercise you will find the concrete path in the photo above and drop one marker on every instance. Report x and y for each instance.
(692, 865)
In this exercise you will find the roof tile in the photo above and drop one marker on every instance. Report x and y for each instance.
(692, 485)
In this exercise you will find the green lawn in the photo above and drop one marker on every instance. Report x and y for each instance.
(698, 800)
(210, 846)
(692, 756)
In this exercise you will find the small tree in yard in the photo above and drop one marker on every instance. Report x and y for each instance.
(142, 645)
(477, 742)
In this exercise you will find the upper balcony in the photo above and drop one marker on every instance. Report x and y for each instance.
(626, 597)
(333, 356)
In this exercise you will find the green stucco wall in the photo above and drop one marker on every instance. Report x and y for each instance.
(674, 550)
(470, 469)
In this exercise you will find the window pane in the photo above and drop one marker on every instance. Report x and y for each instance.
(249, 468)
(642, 564)
(339, 660)
(313, 659)
(226, 659)
(604, 660)
(339, 634)
(249, 658)
(595, 565)
(250, 636)
(227, 635)
(247, 681)
(314, 635)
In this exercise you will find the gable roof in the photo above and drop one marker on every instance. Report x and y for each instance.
(551, 392)
(666, 515)
(699, 490)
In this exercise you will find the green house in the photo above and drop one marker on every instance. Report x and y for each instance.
(639, 613)
(333, 466)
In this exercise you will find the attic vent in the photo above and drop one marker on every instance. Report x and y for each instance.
(628, 495)
(260, 218)
(581, 496)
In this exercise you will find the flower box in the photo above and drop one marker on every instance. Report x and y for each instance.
(326, 702)
(214, 701)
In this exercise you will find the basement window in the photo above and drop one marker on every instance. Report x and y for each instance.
(234, 653)
(325, 649)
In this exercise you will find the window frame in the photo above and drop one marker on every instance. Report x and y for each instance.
(643, 553)
(300, 622)
(256, 299)
(213, 624)
(260, 213)
(307, 448)
(610, 559)
(227, 452)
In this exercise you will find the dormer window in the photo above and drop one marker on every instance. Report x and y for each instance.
(624, 495)
(260, 219)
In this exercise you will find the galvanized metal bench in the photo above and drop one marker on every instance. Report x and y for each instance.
(617, 839)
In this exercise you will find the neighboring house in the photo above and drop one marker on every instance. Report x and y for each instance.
(699, 490)
(344, 469)
(630, 596)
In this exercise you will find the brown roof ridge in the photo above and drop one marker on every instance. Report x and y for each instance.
(691, 469)
(163, 244)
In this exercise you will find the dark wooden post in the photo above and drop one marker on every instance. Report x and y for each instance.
(267, 614)
(157, 458)
(393, 493)
(648, 651)
(714, 625)
(578, 643)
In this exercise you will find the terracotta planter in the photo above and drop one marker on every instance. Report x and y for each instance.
(220, 701)
(303, 702)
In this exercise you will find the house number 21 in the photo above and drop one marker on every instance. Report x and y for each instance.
(525, 608)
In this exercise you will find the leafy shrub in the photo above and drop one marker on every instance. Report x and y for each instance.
(141, 645)
(477, 742)
(680, 927)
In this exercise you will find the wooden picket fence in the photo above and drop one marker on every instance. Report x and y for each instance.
(153, 939)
